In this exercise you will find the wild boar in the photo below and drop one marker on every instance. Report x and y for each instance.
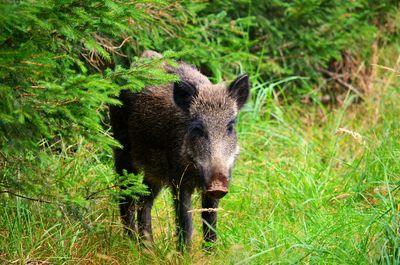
(181, 135)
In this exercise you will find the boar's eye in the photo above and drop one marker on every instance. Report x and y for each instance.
(230, 127)
(196, 128)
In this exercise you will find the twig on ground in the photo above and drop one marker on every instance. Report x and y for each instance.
(335, 77)
(90, 196)
(26, 197)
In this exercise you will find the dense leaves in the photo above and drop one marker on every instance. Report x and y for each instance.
(302, 37)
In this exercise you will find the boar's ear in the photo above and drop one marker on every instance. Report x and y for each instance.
(240, 89)
(184, 92)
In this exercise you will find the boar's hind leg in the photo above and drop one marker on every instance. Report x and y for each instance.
(183, 204)
(144, 212)
(209, 218)
(126, 203)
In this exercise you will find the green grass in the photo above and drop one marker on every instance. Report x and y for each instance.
(302, 193)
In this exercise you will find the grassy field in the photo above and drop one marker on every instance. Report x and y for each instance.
(313, 185)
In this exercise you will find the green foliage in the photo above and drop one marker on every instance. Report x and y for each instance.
(62, 63)
(217, 44)
(54, 54)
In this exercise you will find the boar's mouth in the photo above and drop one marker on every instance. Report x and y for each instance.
(218, 187)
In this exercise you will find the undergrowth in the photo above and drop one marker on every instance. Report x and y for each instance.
(313, 184)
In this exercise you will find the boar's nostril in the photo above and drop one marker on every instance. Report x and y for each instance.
(217, 194)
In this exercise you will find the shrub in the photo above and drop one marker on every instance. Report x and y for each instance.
(61, 64)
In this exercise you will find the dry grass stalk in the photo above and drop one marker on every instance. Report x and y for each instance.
(355, 135)
(205, 210)
(341, 197)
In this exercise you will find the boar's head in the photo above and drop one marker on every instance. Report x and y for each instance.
(210, 139)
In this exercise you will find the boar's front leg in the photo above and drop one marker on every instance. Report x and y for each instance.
(144, 212)
(183, 204)
(209, 218)
(126, 202)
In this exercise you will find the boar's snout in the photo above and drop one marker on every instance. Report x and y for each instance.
(218, 187)
(217, 193)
